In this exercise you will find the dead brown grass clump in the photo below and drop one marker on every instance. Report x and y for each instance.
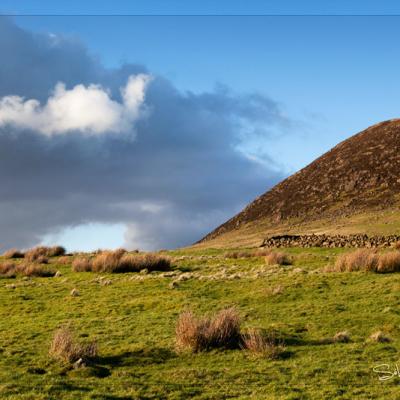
(120, 252)
(66, 348)
(368, 260)
(55, 251)
(359, 260)
(36, 252)
(7, 269)
(396, 245)
(118, 262)
(34, 270)
(151, 262)
(278, 258)
(261, 343)
(10, 269)
(43, 251)
(389, 262)
(198, 334)
(106, 261)
(82, 264)
(13, 253)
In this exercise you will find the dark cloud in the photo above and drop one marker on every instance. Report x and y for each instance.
(171, 181)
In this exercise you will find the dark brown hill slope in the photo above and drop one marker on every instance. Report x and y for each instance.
(350, 188)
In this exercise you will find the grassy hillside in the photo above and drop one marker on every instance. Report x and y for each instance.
(385, 222)
(132, 317)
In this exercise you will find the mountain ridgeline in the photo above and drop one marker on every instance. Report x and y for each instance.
(353, 188)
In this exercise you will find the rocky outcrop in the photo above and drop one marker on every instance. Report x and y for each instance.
(330, 241)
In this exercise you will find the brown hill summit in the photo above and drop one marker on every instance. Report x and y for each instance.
(353, 188)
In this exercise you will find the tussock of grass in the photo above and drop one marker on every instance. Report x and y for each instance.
(277, 258)
(42, 260)
(42, 251)
(261, 343)
(34, 270)
(120, 261)
(13, 253)
(389, 262)
(82, 264)
(7, 269)
(368, 260)
(10, 270)
(199, 334)
(55, 251)
(65, 347)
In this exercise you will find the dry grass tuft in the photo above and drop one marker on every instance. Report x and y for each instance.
(389, 262)
(261, 343)
(119, 261)
(42, 260)
(359, 260)
(13, 253)
(342, 337)
(10, 270)
(106, 261)
(82, 264)
(277, 258)
(55, 251)
(7, 269)
(36, 252)
(198, 334)
(379, 337)
(34, 270)
(367, 260)
(43, 251)
(66, 348)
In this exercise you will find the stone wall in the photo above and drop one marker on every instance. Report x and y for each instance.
(330, 241)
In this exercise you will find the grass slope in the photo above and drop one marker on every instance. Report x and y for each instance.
(385, 222)
(133, 321)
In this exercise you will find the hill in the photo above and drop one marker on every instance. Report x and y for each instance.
(353, 188)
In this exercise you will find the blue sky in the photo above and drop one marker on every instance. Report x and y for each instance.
(338, 75)
(330, 76)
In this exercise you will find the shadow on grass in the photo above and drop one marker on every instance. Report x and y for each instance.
(184, 268)
(138, 357)
(63, 386)
(111, 397)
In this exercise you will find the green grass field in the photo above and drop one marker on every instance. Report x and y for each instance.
(133, 320)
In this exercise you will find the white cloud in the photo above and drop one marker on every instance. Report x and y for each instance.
(89, 110)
